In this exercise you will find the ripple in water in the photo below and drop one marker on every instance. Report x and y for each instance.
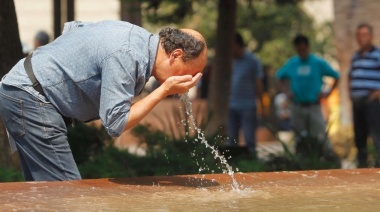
(201, 136)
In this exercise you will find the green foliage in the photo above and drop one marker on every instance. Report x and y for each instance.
(111, 162)
(276, 52)
(312, 153)
(182, 152)
(87, 141)
(247, 163)
(198, 15)
(268, 27)
(268, 21)
(163, 157)
(182, 156)
(178, 153)
(169, 11)
(10, 175)
(165, 154)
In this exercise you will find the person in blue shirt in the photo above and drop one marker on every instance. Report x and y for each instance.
(246, 89)
(301, 79)
(364, 83)
(92, 71)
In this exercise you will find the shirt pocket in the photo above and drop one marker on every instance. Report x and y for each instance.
(52, 122)
(11, 111)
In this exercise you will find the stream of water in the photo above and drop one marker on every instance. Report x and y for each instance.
(201, 137)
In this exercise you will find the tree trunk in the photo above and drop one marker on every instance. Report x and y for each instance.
(130, 10)
(348, 14)
(10, 53)
(63, 11)
(11, 50)
(221, 69)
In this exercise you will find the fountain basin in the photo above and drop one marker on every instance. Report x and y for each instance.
(327, 190)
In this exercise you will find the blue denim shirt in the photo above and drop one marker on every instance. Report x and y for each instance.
(92, 71)
(245, 71)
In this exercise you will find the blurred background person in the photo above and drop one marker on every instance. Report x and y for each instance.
(301, 79)
(42, 38)
(282, 110)
(246, 89)
(364, 84)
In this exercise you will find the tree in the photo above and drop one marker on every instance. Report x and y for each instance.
(348, 14)
(10, 53)
(11, 50)
(221, 69)
(130, 10)
(269, 27)
(168, 11)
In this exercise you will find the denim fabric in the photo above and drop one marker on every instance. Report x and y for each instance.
(246, 119)
(40, 135)
(92, 71)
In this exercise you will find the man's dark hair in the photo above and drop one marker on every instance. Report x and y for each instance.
(172, 39)
(365, 25)
(239, 40)
(300, 39)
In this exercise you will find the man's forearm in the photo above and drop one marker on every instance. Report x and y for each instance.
(141, 108)
(173, 85)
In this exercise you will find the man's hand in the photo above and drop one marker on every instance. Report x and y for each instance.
(180, 84)
(173, 85)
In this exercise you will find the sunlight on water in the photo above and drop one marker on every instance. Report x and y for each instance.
(201, 137)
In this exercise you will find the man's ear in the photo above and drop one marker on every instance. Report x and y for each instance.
(176, 54)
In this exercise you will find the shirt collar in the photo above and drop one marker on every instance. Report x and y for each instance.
(359, 52)
(305, 59)
(153, 46)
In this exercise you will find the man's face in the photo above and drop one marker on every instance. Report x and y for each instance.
(302, 50)
(175, 66)
(364, 37)
(181, 68)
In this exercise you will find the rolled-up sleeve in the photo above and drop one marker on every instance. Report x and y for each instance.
(117, 91)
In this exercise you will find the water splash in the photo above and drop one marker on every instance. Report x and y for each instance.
(201, 136)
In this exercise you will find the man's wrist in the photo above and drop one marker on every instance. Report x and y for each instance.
(162, 92)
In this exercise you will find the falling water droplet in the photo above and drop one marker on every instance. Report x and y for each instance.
(228, 169)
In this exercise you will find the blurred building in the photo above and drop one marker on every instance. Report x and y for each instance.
(36, 15)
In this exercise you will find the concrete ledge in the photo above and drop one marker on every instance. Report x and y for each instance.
(327, 190)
